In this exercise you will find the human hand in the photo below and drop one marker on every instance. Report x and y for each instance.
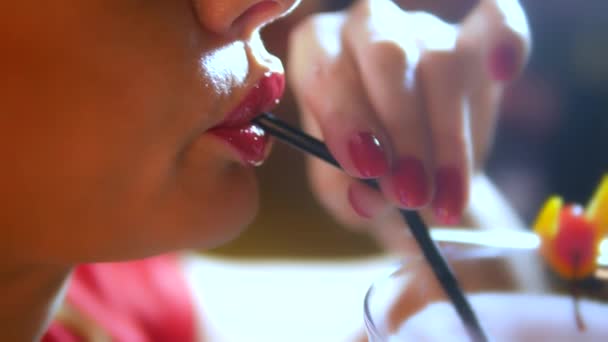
(406, 98)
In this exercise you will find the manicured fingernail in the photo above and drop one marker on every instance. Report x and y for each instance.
(503, 62)
(357, 204)
(368, 155)
(448, 203)
(365, 201)
(410, 183)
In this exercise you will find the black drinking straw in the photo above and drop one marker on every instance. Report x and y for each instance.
(302, 141)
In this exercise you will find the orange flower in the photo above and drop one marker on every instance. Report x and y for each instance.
(571, 235)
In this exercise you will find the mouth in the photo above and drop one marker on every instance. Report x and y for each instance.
(249, 140)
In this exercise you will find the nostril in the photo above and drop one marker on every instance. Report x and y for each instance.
(257, 15)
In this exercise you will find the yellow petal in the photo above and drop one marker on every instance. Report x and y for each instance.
(547, 221)
(597, 209)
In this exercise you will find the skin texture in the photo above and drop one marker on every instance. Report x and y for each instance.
(110, 120)
(106, 106)
(105, 109)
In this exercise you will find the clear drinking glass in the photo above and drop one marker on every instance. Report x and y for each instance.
(515, 297)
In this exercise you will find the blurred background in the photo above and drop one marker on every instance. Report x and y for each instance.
(552, 136)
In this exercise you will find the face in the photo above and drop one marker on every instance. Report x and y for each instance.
(116, 122)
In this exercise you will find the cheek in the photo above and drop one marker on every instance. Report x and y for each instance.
(147, 207)
(94, 175)
(206, 200)
(92, 138)
(210, 204)
(203, 202)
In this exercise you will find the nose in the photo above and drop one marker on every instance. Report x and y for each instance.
(240, 18)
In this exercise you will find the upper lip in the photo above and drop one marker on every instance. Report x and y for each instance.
(262, 97)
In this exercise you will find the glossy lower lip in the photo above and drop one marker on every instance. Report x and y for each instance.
(249, 140)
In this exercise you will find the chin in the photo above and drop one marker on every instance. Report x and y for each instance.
(239, 200)
(205, 216)
(212, 198)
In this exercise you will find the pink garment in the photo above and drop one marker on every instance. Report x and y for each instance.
(144, 300)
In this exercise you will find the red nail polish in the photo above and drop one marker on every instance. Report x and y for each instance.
(356, 204)
(449, 199)
(503, 62)
(368, 155)
(410, 183)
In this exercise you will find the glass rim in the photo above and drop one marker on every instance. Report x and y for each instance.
(501, 242)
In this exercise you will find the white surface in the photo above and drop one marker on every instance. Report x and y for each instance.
(283, 301)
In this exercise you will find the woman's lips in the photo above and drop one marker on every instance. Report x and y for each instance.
(249, 140)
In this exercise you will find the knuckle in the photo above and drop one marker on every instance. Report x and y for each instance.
(319, 33)
(386, 54)
(447, 67)
(362, 8)
(314, 51)
(316, 26)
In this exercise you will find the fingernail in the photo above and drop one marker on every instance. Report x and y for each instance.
(357, 204)
(365, 201)
(448, 203)
(368, 155)
(503, 62)
(410, 183)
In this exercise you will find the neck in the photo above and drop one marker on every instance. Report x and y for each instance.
(29, 297)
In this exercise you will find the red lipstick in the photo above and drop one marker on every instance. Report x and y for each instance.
(249, 140)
